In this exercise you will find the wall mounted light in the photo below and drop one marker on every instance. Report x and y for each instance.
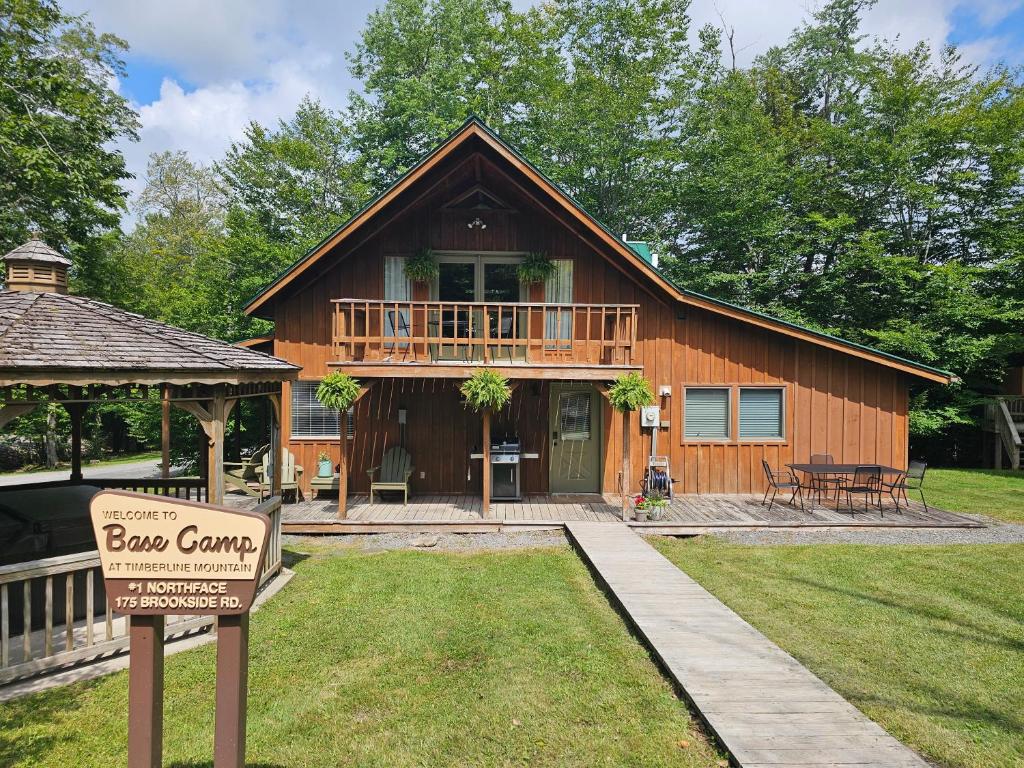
(477, 223)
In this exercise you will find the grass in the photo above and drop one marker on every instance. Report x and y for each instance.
(997, 493)
(403, 659)
(927, 641)
(124, 458)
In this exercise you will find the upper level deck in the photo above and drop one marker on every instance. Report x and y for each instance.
(449, 339)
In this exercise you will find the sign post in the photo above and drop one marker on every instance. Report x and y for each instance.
(166, 557)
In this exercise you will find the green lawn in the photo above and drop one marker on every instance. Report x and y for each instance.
(928, 641)
(993, 492)
(403, 659)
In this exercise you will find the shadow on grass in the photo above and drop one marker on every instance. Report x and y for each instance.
(943, 702)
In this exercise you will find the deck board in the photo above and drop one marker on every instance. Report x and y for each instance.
(761, 703)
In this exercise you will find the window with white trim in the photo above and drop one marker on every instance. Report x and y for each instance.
(706, 413)
(311, 419)
(761, 413)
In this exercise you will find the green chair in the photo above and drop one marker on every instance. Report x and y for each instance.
(244, 475)
(291, 476)
(395, 470)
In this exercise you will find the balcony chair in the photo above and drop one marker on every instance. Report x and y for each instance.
(783, 480)
(827, 483)
(395, 470)
(867, 481)
(913, 479)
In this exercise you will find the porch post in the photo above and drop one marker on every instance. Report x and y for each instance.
(276, 438)
(343, 459)
(75, 412)
(485, 510)
(626, 468)
(165, 431)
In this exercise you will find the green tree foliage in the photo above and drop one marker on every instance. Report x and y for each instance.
(865, 190)
(58, 119)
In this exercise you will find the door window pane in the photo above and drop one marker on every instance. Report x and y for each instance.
(501, 282)
(706, 413)
(761, 413)
(456, 281)
(574, 415)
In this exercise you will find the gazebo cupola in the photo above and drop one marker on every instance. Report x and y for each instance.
(36, 268)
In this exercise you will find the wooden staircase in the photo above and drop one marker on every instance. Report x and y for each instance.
(1006, 418)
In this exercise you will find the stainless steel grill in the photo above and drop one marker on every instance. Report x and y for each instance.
(505, 470)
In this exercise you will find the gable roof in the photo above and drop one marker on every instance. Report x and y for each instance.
(475, 128)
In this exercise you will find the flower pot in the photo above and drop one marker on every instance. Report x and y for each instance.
(324, 468)
(641, 515)
(657, 513)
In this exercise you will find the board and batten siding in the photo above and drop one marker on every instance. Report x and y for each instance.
(835, 402)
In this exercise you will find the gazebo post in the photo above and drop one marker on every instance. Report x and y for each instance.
(165, 431)
(275, 443)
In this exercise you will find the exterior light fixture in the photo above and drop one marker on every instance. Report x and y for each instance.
(477, 223)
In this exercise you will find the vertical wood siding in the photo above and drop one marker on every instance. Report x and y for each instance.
(835, 403)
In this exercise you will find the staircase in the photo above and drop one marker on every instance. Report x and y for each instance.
(1006, 416)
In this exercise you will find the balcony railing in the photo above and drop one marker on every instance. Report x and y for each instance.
(485, 333)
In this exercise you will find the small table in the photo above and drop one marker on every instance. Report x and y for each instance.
(822, 470)
(318, 483)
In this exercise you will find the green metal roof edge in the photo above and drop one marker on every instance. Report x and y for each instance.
(668, 281)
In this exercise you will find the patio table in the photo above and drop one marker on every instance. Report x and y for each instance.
(815, 470)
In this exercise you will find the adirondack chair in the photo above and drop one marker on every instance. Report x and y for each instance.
(395, 470)
(244, 475)
(291, 475)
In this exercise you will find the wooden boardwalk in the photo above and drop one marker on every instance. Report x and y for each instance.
(686, 514)
(764, 707)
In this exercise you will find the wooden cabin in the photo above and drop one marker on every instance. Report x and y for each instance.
(733, 385)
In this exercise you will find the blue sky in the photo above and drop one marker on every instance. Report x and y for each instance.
(200, 70)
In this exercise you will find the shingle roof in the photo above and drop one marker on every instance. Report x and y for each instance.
(37, 250)
(57, 332)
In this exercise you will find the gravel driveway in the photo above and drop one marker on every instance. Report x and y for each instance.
(997, 532)
(448, 542)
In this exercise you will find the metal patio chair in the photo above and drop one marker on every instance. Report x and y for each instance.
(913, 479)
(827, 483)
(782, 480)
(867, 481)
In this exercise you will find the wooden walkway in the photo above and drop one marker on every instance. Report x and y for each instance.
(764, 707)
(686, 515)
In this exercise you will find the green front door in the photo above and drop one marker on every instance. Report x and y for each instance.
(575, 435)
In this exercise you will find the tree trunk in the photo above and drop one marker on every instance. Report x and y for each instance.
(50, 442)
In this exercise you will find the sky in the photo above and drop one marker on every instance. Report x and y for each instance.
(200, 70)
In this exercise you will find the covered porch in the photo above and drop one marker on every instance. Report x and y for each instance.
(685, 515)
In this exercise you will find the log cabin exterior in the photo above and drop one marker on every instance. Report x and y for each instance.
(755, 387)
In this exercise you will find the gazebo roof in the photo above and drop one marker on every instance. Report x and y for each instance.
(52, 338)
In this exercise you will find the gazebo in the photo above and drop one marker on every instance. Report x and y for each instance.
(72, 350)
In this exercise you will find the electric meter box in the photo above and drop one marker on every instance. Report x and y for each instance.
(650, 416)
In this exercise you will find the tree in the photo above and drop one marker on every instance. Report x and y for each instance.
(59, 120)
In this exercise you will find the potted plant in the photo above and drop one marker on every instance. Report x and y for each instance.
(486, 390)
(628, 393)
(535, 268)
(421, 267)
(324, 468)
(652, 505)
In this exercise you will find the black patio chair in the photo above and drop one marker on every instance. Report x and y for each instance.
(913, 479)
(783, 480)
(867, 481)
(827, 483)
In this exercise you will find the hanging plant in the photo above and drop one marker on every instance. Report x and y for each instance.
(337, 391)
(486, 390)
(535, 268)
(630, 392)
(421, 267)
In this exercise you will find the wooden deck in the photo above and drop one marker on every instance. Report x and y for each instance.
(763, 706)
(686, 515)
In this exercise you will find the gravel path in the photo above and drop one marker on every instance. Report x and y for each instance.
(447, 542)
(996, 533)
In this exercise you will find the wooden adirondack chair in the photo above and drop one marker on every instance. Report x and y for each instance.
(395, 470)
(244, 475)
(291, 475)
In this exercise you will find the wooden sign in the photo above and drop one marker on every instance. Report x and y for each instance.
(168, 557)
(164, 557)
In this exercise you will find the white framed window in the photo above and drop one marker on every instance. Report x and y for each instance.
(706, 413)
(574, 415)
(311, 419)
(762, 411)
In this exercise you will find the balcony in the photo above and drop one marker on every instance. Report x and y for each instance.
(436, 336)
